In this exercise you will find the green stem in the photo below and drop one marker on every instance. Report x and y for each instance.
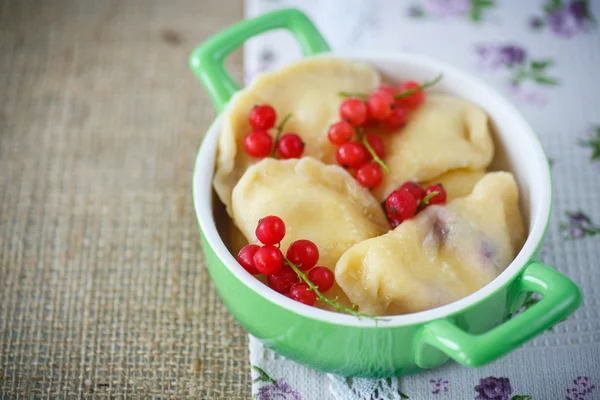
(358, 95)
(376, 158)
(419, 88)
(406, 93)
(321, 296)
(429, 196)
(279, 130)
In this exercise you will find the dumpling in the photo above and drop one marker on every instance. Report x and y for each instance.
(443, 254)
(446, 133)
(318, 202)
(307, 89)
(458, 183)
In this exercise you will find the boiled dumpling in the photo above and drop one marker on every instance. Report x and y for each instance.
(441, 255)
(458, 183)
(307, 89)
(446, 133)
(317, 202)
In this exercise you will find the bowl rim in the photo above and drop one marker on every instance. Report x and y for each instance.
(203, 195)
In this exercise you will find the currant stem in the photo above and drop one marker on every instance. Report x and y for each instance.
(406, 93)
(376, 158)
(419, 88)
(279, 130)
(429, 196)
(321, 296)
(358, 95)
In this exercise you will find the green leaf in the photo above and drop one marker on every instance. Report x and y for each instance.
(588, 14)
(403, 395)
(593, 144)
(551, 6)
(475, 14)
(522, 397)
(264, 377)
(486, 3)
(538, 65)
(545, 80)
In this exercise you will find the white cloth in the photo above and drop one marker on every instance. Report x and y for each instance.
(563, 363)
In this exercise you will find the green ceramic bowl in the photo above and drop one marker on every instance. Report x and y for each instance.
(472, 331)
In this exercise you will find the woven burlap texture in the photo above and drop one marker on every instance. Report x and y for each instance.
(103, 288)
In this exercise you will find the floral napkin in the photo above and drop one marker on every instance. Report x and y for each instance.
(544, 55)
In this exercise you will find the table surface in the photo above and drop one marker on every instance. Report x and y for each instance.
(103, 291)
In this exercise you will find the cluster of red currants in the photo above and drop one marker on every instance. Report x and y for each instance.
(270, 261)
(259, 143)
(387, 106)
(410, 198)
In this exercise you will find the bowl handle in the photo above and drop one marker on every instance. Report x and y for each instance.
(206, 60)
(561, 298)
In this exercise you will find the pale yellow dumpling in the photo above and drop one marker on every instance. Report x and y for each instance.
(318, 202)
(458, 183)
(441, 255)
(446, 133)
(308, 90)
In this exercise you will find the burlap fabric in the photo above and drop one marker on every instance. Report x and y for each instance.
(103, 291)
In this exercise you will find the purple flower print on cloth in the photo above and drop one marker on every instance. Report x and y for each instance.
(581, 389)
(527, 93)
(439, 385)
(279, 391)
(524, 76)
(273, 389)
(578, 225)
(492, 388)
(564, 18)
(498, 56)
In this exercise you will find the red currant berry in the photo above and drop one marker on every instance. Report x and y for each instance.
(387, 89)
(354, 111)
(439, 198)
(370, 122)
(414, 100)
(380, 105)
(302, 292)
(262, 117)
(369, 175)
(322, 277)
(352, 155)
(268, 260)
(414, 188)
(258, 143)
(397, 118)
(283, 280)
(400, 205)
(270, 230)
(290, 146)
(303, 253)
(340, 133)
(246, 258)
(377, 145)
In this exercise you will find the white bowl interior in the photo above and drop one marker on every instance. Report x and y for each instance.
(517, 150)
